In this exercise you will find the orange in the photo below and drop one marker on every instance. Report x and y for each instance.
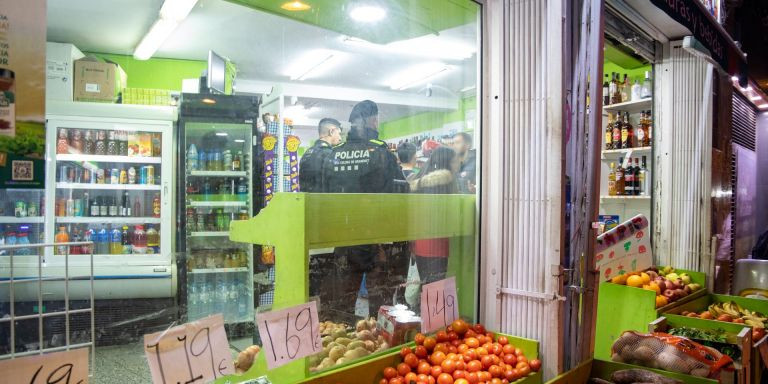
(654, 287)
(635, 281)
(646, 278)
(661, 301)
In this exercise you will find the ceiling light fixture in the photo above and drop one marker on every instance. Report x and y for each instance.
(239, 141)
(417, 75)
(222, 134)
(313, 64)
(295, 6)
(763, 106)
(172, 13)
(367, 13)
(208, 101)
(755, 98)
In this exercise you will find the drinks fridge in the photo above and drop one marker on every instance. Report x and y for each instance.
(216, 179)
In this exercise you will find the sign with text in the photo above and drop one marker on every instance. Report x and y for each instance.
(439, 304)
(67, 367)
(626, 248)
(196, 352)
(289, 334)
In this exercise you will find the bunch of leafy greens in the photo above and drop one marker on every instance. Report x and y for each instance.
(714, 339)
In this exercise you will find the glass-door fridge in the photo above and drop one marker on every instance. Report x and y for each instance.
(216, 179)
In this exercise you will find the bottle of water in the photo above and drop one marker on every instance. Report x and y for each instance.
(23, 239)
(242, 302)
(234, 299)
(192, 301)
(209, 298)
(102, 241)
(192, 159)
(220, 298)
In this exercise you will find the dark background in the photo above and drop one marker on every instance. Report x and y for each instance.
(747, 23)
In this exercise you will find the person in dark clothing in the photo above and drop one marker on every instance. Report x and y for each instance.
(406, 153)
(436, 177)
(462, 144)
(760, 250)
(363, 164)
(316, 161)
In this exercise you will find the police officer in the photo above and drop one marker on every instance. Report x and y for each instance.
(315, 162)
(363, 164)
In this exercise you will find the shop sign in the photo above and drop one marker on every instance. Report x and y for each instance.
(189, 353)
(439, 304)
(626, 248)
(289, 334)
(58, 367)
(692, 15)
(22, 94)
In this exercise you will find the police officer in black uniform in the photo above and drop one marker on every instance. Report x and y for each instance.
(363, 164)
(316, 161)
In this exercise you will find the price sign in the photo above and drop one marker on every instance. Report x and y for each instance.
(196, 352)
(68, 367)
(626, 248)
(290, 334)
(438, 304)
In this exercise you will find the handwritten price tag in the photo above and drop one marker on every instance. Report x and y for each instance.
(626, 248)
(68, 367)
(196, 352)
(290, 334)
(438, 304)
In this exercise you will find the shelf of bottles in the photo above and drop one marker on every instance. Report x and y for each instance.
(21, 220)
(108, 188)
(217, 181)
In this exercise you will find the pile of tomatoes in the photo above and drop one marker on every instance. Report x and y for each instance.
(460, 354)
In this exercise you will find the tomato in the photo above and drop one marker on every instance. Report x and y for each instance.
(383, 381)
(503, 340)
(461, 365)
(423, 377)
(448, 366)
(461, 381)
(472, 342)
(471, 355)
(522, 359)
(510, 374)
(495, 371)
(403, 369)
(412, 360)
(524, 371)
(473, 366)
(757, 334)
(395, 380)
(520, 365)
(472, 377)
(445, 378)
(419, 338)
(495, 380)
(470, 333)
(453, 335)
(507, 349)
(410, 377)
(496, 349)
(482, 339)
(431, 380)
(435, 371)
(481, 351)
(459, 374)
(518, 351)
(437, 358)
(486, 361)
(442, 336)
(389, 372)
(483, 376)
(429, 343)
(421, 351)
(479, 328)
(462, 348)
(442, 347)
(535, 365)
(456, 343)
(424, 368)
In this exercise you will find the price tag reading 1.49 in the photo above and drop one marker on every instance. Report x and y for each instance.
(289, 334)
(196, 352)
(67, 367)
(438, 304)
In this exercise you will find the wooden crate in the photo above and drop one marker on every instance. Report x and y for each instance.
(603, 369)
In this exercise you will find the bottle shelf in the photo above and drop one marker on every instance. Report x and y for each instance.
(108, 159)
(219, 173)
(630, 106)
(200, 271)
(21, 220)
(627, 198)
(209, 234)
(218, 203)
(107, 220)
(118, 187)
(626, 151)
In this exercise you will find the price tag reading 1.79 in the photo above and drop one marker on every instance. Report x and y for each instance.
(438, 304)
(196, 352)
(67, 367)
(289, 334)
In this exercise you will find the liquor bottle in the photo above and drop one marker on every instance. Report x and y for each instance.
(112, 144)
(89, 147)
(192, 160)
(62, 144)
(86, 204)
(626, 89)
(629, 179)
(137, 208)
(103, 207)
(636, 178)
(609, 133)
(616, 94)
(127, 205)
(612, 88)
(101, 143)
(619, 175)
(637, 91)
(627, 132)
(606, 91)
(616, 134)
(61, 237)
(648, 127)
(237, 161)
(115, 241)
(139, 240)
(645, 91)
(644, 177)
(611, 181)
(95, 210)
(70, 206)
(126, 241)
(113, 211)
(156, 205)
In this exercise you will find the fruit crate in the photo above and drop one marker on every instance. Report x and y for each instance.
(370, 370)
(735, 334)
(596, 368)
(622, 308)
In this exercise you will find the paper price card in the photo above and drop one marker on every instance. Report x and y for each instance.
(289, 334)
(626, 248)
(196, 352)
(439, 306)
(67, 367)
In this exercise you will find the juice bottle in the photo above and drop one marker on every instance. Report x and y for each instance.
(61, 237)
(116, 242)
(139, 240)
(153, 240)
(126, 245)
(156, 205)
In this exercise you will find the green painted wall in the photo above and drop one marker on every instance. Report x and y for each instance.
(634, 74)
(425, 121)
(156, 73)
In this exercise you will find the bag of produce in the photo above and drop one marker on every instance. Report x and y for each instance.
(670, 353)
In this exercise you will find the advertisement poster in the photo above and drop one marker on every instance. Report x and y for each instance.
(22, 94)
(625, 248)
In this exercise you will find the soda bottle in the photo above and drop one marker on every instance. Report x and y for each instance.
(153, 240)
(126, 243)
(202, 160)
(156, 206)
(192, 159)
(191, 224)
(116, 242)
(23, 240)
(139, 240)
(102, 241)
(61, 237)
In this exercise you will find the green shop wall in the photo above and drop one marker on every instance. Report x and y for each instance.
(156, 73)
(426, 121)
(634, 74)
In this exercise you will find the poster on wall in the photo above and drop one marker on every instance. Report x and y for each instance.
(625, 248)
(22, 94)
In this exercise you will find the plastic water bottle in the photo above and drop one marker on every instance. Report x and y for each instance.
(242, 302)
(102, 241)
(193, 301)
(192, 159)
(220, 297)
(202, 160)
(208, 303)
(23, 239)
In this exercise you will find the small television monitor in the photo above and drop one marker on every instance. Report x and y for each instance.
(217, 73)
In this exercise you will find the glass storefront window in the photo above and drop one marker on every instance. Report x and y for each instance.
(321, 151)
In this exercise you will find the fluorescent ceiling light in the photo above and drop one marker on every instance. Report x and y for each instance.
(171, 14)
(435, 47)
(295, 6)
(222, 134)
(418, 74)
(239, 141)
(368, 13)
(208, 101)
(763, 106)
(755, 98)
(313, 64)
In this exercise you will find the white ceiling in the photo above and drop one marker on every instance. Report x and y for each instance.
(262, 45)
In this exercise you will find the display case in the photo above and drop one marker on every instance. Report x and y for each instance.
(216, 141)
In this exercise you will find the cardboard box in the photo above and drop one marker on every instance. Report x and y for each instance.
(59, 70)
(98, 81)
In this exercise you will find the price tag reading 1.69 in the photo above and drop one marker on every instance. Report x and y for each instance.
(196, 352)
(439, 307)
(67, 367)
(289, 334)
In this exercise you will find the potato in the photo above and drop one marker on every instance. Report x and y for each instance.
(700, 372)
(361, 325)
(617, 358)
(343, 340)
(327, 340)
(643, 353)
(370, 345)
(365, 335)
(339, 333)
(337, 352)
(355, 344)
(356, 353)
